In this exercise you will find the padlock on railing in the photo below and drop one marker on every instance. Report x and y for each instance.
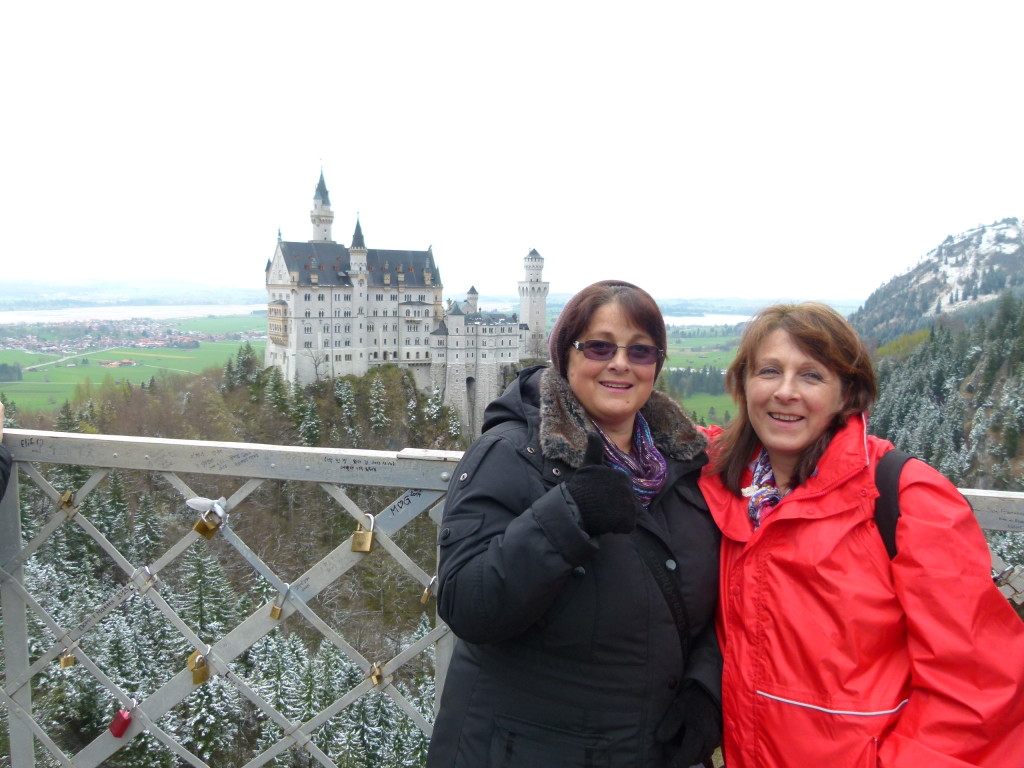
(67, 660)
(277, 608)
(376, 673)
(212, 516)
(362, 540)
(428, 591)
(121, 721)
(200, 669)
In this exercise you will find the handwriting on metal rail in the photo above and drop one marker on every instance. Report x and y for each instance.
(346, 464)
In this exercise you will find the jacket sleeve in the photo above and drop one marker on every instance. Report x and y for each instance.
(5, 468)
(705, 662)
(965, 642)
(507, 546)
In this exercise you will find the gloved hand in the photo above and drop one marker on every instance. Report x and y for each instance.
(604, 495)
(692, 727)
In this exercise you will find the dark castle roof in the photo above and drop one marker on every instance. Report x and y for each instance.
(331, 263)
(321, 191)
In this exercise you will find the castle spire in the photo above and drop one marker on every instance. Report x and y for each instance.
(357, 236)
(321, 215)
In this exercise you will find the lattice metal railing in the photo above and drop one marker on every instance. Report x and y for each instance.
(423, 475)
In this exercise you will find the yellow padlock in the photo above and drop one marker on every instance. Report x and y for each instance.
(425, 597)
(362, 541)
(376, 674)
(275, 611)
(200, 669)
(67, 660)
(207, 525)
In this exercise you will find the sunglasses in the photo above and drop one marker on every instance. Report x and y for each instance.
(638, 354)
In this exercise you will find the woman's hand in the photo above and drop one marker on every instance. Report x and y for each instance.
(604, 495)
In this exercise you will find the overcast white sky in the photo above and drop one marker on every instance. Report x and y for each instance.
(760, 149)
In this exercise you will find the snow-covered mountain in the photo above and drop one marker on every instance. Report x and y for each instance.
(963, 271)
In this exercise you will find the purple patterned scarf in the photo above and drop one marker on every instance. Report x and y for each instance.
(763, 491)
(644, 464)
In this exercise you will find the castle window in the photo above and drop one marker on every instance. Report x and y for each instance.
(307, 313)
(308, 297)
(348, 358)
(319, 297)
(308, 329)
(327, 342)
(320, 313)
(348, 328)
(307, 344)
(337, 329)
(379, 297)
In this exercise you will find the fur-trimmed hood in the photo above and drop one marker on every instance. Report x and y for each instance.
(541, 395)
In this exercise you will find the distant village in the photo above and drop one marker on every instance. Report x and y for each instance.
(74, 338)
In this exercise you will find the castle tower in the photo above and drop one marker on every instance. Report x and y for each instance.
(533, 306)
(321, 215)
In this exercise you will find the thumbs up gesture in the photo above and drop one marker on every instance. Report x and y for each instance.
(603, 495)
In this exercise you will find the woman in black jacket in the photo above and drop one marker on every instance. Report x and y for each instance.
(5, 457)
(579, 563)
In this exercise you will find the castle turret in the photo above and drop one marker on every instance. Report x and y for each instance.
(533, 307)
(321, 215)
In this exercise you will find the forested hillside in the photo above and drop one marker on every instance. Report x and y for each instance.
(954, 396)
(961, 273)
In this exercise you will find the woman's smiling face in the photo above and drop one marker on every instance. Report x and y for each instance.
(791, 399)
(612, 391)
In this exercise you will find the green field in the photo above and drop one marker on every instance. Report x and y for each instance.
(717, 352)
(702, 403)
(47, 386)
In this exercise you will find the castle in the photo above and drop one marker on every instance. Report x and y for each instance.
(333, 311)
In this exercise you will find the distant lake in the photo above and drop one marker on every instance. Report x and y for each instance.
(703, 319)
(156, 312)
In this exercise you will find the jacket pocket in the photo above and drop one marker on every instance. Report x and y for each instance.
(521, 744)
(798, 731)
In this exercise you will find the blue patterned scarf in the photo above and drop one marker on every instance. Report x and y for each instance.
(645, 465)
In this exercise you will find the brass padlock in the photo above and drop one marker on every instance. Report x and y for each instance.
(67, 660)
(425, 597)
(376, 674)
(362, 541)
(200, 669)
(207, 525)
(275, 611)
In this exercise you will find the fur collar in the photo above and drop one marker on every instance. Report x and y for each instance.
(564, 424)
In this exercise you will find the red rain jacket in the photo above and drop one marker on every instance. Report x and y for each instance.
(837, 657)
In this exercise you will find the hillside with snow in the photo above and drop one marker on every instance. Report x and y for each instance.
(964, 271)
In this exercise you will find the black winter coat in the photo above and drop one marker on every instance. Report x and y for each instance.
(567, 654)
(5, 468)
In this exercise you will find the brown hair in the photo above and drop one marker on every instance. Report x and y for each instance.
(635, 302)
(820, 332)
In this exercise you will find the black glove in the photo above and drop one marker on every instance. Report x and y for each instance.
(692, 727)
(604, 495)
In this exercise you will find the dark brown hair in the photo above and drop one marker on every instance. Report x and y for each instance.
(635, 302)
(819, 332)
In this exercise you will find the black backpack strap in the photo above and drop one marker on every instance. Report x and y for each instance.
(662, 566)
(887, 505)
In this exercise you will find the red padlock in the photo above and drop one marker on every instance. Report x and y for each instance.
(122, 720)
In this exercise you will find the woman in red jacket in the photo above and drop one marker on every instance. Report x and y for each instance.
(834, 655)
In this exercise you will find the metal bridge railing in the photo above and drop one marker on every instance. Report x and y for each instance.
(422, 477)
(422, 474)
